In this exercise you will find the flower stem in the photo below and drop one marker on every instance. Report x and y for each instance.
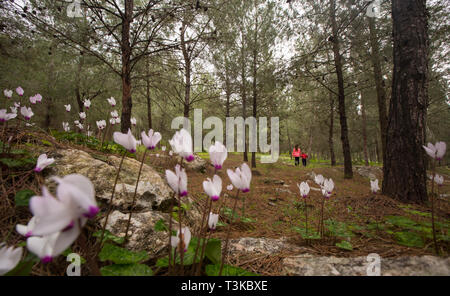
(228, 234)
(205, 240)
(432, 208)
(111, 201)
(134, 197)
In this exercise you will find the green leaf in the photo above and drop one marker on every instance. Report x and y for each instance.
(161, 225)
(22, 197)
(47, 143)
(228, 270)
(22, 269)
(126, 270)
(121, 255)
(346, 245)
(220, 223)
(310, 235)
(339, 229)
(213, 250)
(108, 236)
(247, 220)
(409, 239)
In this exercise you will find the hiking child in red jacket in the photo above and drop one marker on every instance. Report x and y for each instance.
(304, 157)
(296, 153)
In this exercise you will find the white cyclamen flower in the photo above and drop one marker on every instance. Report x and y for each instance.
(178, 180)
(128, 141)
(19, 91)
(213, 187)
(43, 162)
(217, 153)
(151, 139)
(304, 189)
(26, 112)
(114, 114)
(319, 180)
(436, 151)
(83, 115)
(182, 144)
(230, 187)
(111, 101)
(9, 258)
(439, 179)
(374, 185)
(212, 220)
(241, 177)
(184, 237)
(6, 116)
(68, 107)
(33, 100)
(133, 121)
(8, 93)
(87, 103)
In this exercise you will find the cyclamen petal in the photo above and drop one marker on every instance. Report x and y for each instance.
(181, 144)
(185, 238)
(374, 185)
(9, 258)
(218, 154)
(213, 188)
(128, 141)
(241, 177)
(304, 189)
(151, 140)
(213, 220)
(43, 162)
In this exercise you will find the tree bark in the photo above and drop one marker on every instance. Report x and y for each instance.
(379, 83)
(404, 170)
(255, 91)
(187, 73)
(330, 134)
(126, 67)
(364, 127)
(244, 99)
(348, 172)
(149, 99)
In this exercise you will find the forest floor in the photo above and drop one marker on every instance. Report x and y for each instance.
(373, 223)
(358, 222)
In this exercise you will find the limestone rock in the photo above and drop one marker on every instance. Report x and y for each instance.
(142, 234)
(153, 192)
(310, 265)
(371, 172)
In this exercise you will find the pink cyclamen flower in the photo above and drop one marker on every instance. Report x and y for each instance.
(230, 187)
(151, 140)
(304, 189)
(114, 114)
(133, 121)
(33, 100)
(82, 115)
(181, 144)
(66, 126)
(436, 151)
(6, 116)
(128, 141)
(178, 180)
(184, 238)
(328, 186)
(241, 177)
(217, 154)
(9, 258)
(213, 220)
(8, 93)
(374, 185)
(26, 112)
(19, 91)
(68, 107)
(38, 98)
(43, 162)
(213, 187)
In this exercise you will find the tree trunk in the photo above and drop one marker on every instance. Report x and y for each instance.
(244, 99)
(126, 67)
(228, 95)
(255, 91)
(364, 128)
(78, 84)
(187, 73)
(379, 83)
(330, 134)
(348, 172)
(149, 99)
(404, 170)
